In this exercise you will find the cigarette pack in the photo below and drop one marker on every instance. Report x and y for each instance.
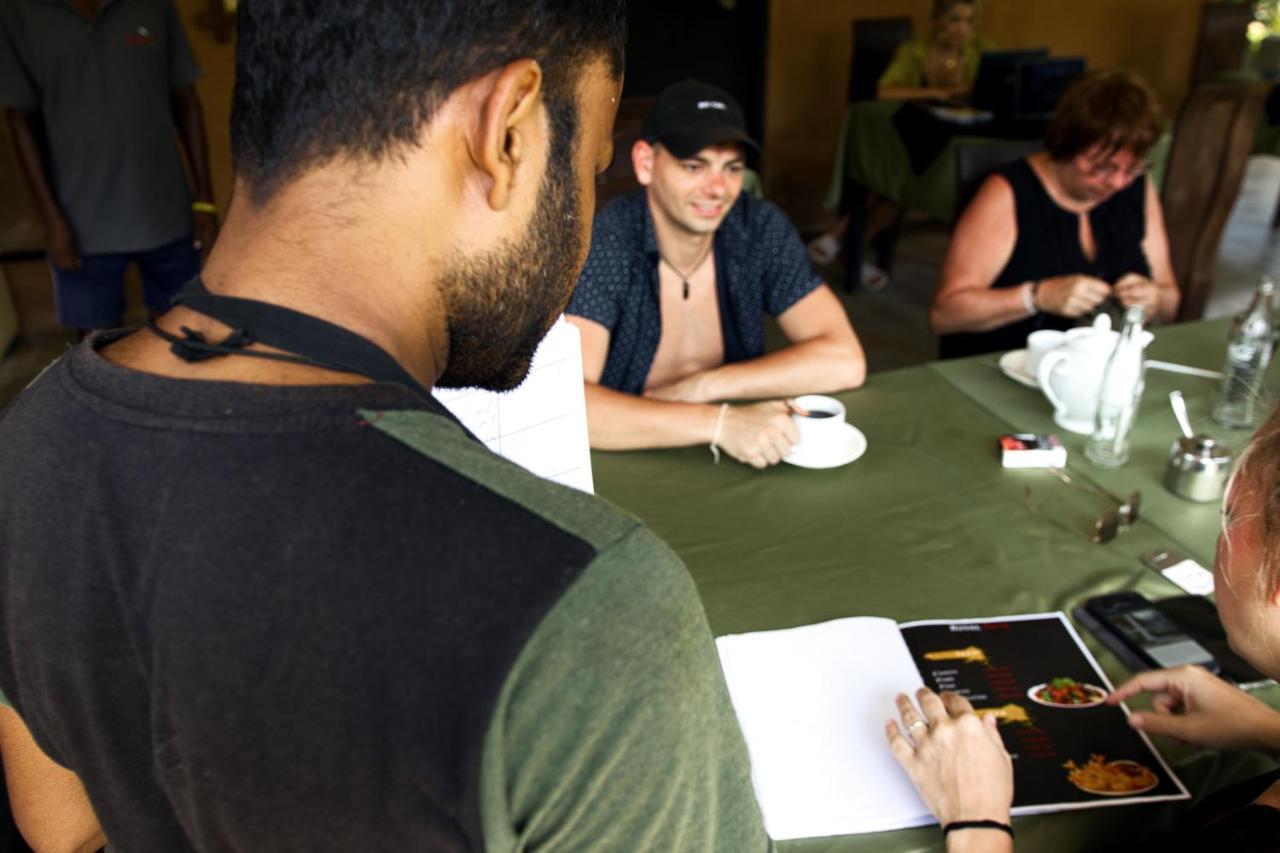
(1028, 450)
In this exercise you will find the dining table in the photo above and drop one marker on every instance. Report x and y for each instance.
(927, 524)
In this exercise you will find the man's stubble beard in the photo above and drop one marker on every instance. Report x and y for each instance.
(500, 304)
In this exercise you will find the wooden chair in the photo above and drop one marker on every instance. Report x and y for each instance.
(1211, 144)
(974, 162)
(1273, 118)
(874, 42)
(620, 178)
(1221, 43)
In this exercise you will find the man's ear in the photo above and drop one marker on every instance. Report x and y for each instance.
(509, 127)
(642, 156)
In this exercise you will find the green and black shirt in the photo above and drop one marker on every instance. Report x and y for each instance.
(326, 618)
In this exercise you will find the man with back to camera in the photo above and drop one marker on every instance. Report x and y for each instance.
(261, 591)
(673, 295)
(94, 91)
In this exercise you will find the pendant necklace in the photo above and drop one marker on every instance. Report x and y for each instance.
(684, 277)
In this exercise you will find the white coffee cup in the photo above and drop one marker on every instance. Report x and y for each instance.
(1040, 344)
(824, 422)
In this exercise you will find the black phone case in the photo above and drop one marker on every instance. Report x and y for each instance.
(1199, 618)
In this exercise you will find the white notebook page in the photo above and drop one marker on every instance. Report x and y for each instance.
(542, 425)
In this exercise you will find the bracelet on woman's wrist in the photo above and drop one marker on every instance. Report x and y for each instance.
(715, 434)
(1029, 299)
(976, 824)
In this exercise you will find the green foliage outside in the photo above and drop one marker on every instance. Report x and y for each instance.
(1268, 24)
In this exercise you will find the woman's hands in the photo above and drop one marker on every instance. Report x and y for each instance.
(956, 760)
(1196, 706)
(1071, 295)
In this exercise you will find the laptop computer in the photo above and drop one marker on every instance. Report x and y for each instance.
(1040, 83)
(995, 87)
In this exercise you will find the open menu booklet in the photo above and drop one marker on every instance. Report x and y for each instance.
(813, 701)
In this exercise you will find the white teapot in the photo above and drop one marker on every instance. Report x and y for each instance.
(1071, 375)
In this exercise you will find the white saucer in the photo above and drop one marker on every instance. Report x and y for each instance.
(1014, 365)
(845, 448)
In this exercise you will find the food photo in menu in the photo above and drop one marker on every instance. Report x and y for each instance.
(1048, 696)
(812, 703)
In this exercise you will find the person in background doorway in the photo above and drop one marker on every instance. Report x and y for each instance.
(95, 92)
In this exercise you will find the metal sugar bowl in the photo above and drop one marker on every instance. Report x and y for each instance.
(1198, 468)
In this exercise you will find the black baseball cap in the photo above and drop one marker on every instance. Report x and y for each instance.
(691, 115)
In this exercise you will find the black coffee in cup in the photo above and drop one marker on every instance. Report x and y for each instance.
(818, 413)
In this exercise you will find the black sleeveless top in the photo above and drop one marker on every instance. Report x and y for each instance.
(1048, 245)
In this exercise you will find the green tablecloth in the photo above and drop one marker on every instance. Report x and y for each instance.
(927, 524)
(1193, 528)
(870, 152)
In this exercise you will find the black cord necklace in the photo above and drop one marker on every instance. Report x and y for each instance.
(684, 277)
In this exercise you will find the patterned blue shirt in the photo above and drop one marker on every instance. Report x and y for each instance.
(761, 266)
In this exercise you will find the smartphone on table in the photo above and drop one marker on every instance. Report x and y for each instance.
(1141, 635)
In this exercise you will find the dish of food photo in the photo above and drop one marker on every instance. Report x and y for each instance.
(1067, 693)
(969, 654)
(1012, 714)
(1118, 778)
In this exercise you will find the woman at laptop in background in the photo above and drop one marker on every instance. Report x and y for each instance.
(1050, 238)
(958, 762)
(942, 65)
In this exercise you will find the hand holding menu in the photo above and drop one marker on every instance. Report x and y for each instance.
(812, 702)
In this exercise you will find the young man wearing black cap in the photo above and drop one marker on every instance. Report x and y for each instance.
(671, 300)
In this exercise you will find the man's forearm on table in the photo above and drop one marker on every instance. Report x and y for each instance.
(618, 421)
(810, 367)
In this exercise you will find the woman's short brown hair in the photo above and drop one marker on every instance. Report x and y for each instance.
(942, 8)
(1116, 109)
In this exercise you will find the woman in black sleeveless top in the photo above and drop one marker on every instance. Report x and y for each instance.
(1049, 239)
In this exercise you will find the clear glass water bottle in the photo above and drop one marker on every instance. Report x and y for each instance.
(1248, 353)
(1118, 396)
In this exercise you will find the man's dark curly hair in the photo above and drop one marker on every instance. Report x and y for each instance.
(320, 79)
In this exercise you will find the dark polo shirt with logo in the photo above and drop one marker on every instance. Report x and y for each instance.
(103, 88)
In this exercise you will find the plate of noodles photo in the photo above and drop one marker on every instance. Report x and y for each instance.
(1120, 778)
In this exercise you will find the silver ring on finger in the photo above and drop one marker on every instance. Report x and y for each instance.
(911, 727)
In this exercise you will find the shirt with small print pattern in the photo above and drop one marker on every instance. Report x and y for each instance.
(761, 267)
